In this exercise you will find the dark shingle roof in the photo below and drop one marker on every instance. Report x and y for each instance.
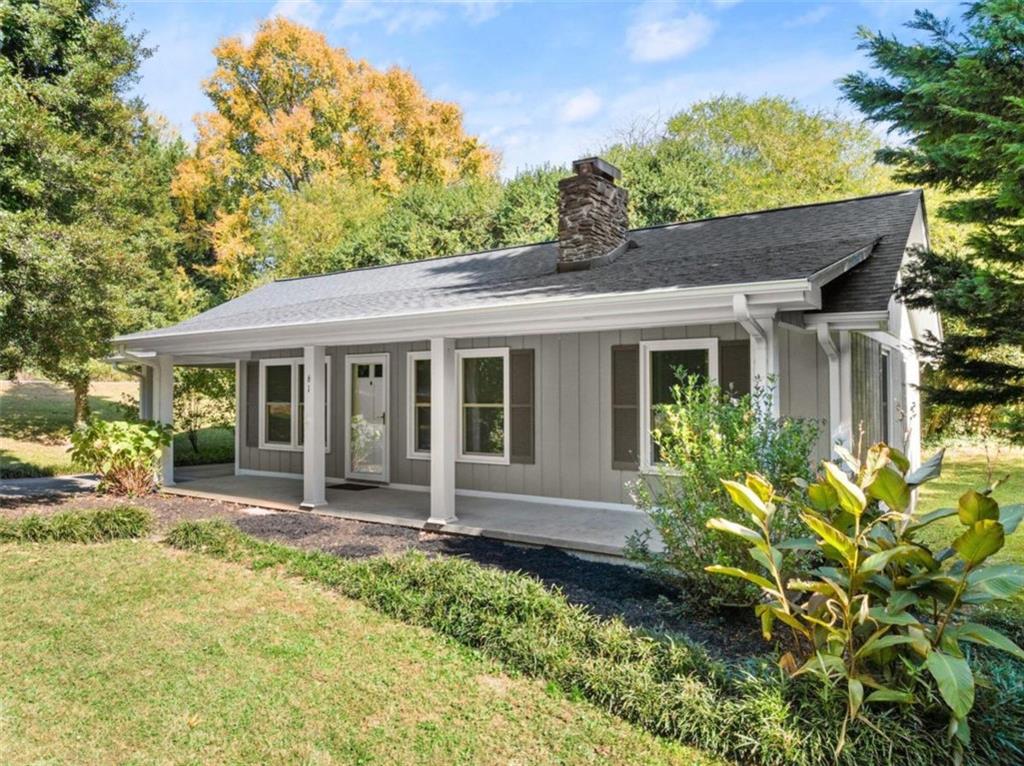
(788, 243)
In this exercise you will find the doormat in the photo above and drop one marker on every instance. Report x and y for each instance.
(351, 486)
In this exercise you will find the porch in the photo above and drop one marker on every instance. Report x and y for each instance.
(600, 531)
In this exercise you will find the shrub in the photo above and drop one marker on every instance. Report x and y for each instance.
(118, 522)
(884, 616)
(704, 435)
(750, 713)
(123, 453)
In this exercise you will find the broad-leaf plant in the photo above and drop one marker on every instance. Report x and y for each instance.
(878, 609)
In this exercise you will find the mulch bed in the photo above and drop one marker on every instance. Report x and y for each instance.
(610, 590)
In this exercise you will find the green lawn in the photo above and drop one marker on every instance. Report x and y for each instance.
(133, 653)
(36, 419)
(966, 468)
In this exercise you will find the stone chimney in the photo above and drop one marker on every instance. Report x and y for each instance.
(592, 223)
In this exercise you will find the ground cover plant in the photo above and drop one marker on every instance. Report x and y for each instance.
(77, 526)
(131, 652)
(747, 712)
(124, 454)
(881, 615)
(706, 433)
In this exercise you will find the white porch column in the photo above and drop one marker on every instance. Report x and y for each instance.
(443, 430)
(837, 430)
(314, 463)
(163, 411)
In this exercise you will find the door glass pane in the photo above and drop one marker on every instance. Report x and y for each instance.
(484, 431)
(367, 427)
(666, 368)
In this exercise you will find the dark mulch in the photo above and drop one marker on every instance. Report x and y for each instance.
(610, 590)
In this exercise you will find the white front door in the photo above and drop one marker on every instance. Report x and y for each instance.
(366, 417)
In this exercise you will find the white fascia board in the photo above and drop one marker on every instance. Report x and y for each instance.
(652, 308)
(850, 320)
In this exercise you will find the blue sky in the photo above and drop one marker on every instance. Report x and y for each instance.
(544, 81)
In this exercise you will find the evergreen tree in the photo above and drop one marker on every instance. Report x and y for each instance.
(955, 97)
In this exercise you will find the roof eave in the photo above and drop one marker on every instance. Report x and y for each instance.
(696, 305)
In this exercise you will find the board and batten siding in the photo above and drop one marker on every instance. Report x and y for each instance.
(803, 382)
(573, 411)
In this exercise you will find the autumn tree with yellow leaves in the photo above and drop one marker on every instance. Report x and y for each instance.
(291, 111)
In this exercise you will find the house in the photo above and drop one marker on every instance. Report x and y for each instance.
(529, 374)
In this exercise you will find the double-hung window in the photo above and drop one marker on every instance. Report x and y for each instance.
(483, 404)
(282, 403)
(661, 364)
(418, 417)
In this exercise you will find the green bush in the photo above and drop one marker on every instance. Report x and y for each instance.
(885, 616)
(118, 522)
(125, 454)
(703, 435)
(751, 713)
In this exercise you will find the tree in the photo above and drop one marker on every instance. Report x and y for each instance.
(954, 98)
(204, 397)
(288, 108)
(731, 154)
(86, 236)
(528, 208)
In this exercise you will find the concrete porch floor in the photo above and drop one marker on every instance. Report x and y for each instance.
(589, 530)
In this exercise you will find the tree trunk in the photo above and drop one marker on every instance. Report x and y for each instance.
(81, 390)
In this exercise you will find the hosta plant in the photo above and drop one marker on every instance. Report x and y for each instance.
(879, 610)
(123, 453)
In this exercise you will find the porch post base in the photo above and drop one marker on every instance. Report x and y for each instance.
(304, 506)
(433, 525)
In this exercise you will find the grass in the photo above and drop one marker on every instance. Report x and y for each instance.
(36, 419)
(130, 652)
(966, 467)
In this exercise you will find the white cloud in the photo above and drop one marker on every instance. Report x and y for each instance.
(307, 12)
(410, 16)
(580, 107)
(812, 17)
(658, 35)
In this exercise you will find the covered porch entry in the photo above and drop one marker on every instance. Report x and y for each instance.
(600, 531)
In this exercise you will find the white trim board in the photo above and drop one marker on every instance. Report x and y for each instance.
(295, 362)
(646, 348)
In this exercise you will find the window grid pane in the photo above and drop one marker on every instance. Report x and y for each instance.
(666, 367)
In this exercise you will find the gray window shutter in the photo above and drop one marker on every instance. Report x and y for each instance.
(521, 406)
(252, 404)
(734, 366)
(626, 407)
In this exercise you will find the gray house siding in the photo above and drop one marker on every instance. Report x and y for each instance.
(803, 382)
(573, 411)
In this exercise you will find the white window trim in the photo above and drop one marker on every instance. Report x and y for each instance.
(477, 353)
(294, 363)
(410, 400)
(381, 357)
(646, 347)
